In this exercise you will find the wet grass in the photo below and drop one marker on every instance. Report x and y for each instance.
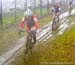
(60, 50)
(44, 20)
(9, 35)
(8, 38)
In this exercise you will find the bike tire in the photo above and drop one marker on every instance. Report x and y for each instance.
(55, 23)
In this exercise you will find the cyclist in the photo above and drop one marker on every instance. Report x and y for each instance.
(30, 21)
(56, 10)
(70, 6)
(71, 2)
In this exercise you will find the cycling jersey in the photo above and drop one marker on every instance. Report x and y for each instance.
(70, 2)
(55, 9)
(29, 23)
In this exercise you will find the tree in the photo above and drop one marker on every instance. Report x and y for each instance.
(1, 12)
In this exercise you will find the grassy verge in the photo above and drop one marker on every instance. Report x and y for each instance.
(58, 51)
(44, 20)
(8, 37)
(9, 17)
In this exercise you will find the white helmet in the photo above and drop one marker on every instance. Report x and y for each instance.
(28, 13)
(29, 5)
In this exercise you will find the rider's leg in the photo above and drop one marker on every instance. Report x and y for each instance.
(58, 16)
(27, 47)
(34, 37)
(53, 22)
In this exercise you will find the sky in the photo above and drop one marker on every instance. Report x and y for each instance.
(10, 3)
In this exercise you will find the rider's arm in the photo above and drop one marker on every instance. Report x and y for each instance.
(52, 9)
(59, 9)
(21, 22)
(35, 22)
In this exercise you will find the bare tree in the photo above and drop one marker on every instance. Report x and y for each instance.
(1, 12)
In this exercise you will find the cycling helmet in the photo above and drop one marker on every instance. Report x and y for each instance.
(29, 5)
(28, 12)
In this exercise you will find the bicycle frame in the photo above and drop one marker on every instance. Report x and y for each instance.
(55, 22)
(29, 43)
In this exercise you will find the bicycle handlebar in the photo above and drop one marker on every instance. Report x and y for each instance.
(19, 32)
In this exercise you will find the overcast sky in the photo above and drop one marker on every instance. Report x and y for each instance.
(10, 3)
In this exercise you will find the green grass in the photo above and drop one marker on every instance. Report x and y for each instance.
(8, 37)
(44, 20)
(60, 49)
(9, 18)
(42, 11)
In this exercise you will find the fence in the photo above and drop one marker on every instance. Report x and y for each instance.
(13, 10)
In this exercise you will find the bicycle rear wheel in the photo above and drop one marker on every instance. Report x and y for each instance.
(55, 23)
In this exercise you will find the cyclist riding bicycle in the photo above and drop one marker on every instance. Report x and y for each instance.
(56, 10)
(71, 2)
(31, 23)
(70, 6)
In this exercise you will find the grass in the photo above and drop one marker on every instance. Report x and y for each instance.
(61, 49)
(44, 20)
(8, 37)
(9, 18)
(42, 11)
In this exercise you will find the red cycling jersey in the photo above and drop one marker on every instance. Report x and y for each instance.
(26, 25)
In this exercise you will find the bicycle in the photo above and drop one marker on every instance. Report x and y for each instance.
(30, 41)
(55, 23)
(29, 44)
